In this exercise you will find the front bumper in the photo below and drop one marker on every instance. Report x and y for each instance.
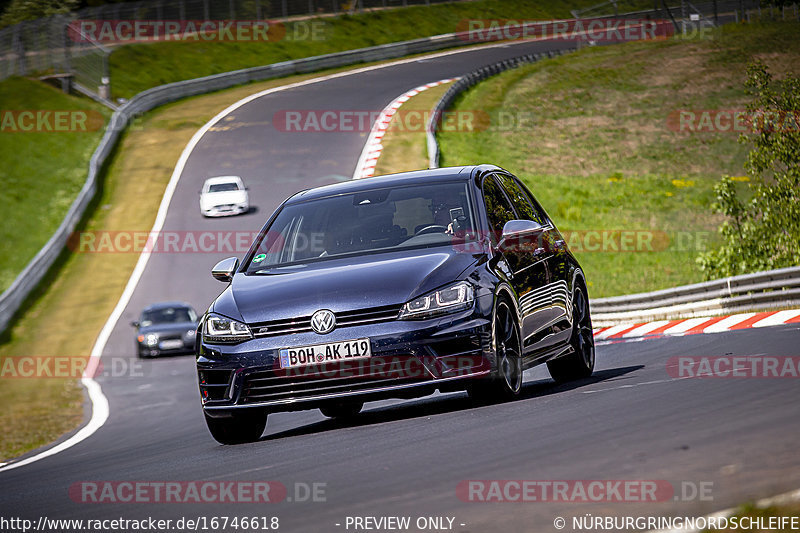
(226, 210)
(409, 359)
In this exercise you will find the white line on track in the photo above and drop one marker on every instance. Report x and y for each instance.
(100, 408)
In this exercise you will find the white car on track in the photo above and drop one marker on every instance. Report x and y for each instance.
(223, 196)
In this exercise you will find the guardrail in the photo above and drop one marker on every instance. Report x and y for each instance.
(37, 268)
(749, 292)
(45, 44)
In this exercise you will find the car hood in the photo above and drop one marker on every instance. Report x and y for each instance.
(210, 199)
(177, 327)
(342, 284)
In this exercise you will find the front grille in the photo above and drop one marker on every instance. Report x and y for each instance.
(331, 378)
(214, 383)
(344, 319)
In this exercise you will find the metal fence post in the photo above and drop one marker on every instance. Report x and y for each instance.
(683, 17)
(67, 50)
(232, 10)
(284, 9)
(206, 10)
(19, 48)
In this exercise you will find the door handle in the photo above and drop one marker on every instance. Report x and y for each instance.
(537, 252)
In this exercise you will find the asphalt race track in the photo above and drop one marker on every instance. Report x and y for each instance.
(631, 421)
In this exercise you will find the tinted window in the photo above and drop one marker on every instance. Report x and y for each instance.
(498, 209)
(168, 315)
(368, 221)
(520, 199)
(223, 187)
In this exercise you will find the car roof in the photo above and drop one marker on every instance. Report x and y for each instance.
(165, 305)
(222, 179)
(433, 175)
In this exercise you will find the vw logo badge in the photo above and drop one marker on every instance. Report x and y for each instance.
(323, 321)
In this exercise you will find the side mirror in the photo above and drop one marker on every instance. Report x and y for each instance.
(225, 269)
(515, 230)
(135, 323)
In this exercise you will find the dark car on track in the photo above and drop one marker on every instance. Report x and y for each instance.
(393, 286)
(165, 328)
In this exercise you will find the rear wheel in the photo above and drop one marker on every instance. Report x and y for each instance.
(342, 409)
(506, 382)
(242, 427)
(580, 363)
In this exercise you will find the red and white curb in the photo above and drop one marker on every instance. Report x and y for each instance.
(691, 326)
(373, 147)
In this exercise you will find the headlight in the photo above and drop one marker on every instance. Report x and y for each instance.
(190, 333)
(450, 299)
(151, 339)
(218, 328)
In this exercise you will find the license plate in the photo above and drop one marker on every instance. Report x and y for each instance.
(325, 353)
(171, 344)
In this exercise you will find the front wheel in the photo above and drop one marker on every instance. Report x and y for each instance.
(506, 382)
(580, 363)
(237, 429)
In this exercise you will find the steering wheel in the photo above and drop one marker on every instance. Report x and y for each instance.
(433, 228)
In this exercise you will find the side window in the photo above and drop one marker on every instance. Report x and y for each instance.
(521, 199)
(498, 209)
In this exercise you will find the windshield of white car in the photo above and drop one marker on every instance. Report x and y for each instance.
(223, 187)
(374, 221)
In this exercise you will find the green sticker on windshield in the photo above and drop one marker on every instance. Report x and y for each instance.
(259, 258)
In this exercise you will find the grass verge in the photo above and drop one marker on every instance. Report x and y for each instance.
(180, 60)
(42, 169)
(404, 145)
(86, 287)
(589, 134)
(772, 519)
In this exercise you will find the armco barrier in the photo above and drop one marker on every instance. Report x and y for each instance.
(35, 270)
(750, 292)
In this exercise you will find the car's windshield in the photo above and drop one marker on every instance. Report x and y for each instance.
(368, 221)
(223, 187)
(168, 315)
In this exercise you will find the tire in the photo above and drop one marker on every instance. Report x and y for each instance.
(580, 363)
(237, 429)
(506, 382)
(342, 409)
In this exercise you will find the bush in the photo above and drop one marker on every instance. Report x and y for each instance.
(762, 230)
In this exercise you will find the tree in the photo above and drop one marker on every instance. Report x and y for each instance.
(19, 10)
(762, 230)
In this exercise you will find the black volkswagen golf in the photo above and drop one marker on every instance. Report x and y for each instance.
(392, 287)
